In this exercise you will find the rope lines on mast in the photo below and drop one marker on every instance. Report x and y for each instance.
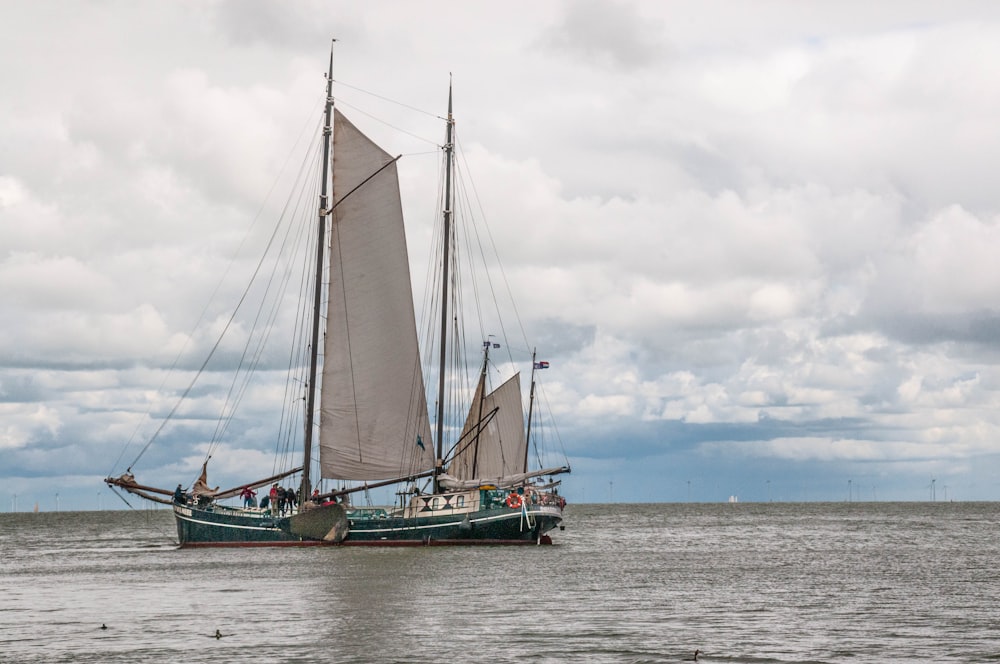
(201, 320)
(270, 299)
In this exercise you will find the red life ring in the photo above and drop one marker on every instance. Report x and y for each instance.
(514, 500)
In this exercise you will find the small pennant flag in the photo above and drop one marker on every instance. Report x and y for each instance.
(420, 443)
(541, 365)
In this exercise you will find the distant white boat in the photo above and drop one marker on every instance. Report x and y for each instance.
(734, 499)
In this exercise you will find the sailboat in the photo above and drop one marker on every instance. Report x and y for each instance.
(365, 394)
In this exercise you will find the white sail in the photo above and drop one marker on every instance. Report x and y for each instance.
(373, 412)
(461, 464)
(500, 448)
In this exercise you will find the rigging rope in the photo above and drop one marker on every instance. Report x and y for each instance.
(235, 395)
(232, 317)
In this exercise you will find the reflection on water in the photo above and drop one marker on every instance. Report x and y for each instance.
(769, 582)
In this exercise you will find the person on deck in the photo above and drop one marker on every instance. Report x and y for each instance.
(290, 499)
(281, 500)
(249, 497)
(179, 496)
(275, 506)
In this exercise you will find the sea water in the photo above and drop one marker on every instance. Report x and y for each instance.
(767, 582)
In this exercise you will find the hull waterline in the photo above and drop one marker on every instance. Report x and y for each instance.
(216, 526)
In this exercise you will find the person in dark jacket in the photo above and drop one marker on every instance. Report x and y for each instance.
(281, 500)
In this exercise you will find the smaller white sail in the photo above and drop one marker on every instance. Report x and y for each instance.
(499, 449)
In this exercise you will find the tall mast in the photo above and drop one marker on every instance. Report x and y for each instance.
(449, 152)
(479, 416)
(531, 408)
(324, 208)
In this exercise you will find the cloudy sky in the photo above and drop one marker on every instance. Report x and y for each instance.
(758, 242)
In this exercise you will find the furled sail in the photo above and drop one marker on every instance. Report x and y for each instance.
(201, 487)
(373, 412)
(454, 483)
(500, 448)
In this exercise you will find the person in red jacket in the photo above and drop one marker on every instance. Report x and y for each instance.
(249, 497)
(275, 505)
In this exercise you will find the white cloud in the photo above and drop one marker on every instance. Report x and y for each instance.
(22, 425)
(720, 219)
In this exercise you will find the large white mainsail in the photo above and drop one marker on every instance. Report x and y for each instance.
(500, 450)
(373, 411)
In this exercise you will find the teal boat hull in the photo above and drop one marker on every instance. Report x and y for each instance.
(216, 525)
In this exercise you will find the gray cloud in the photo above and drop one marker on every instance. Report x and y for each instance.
(755, 241)
(605, 32)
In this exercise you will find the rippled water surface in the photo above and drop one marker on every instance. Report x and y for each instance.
(776, 582)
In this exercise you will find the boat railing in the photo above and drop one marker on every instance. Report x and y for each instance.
(262, 512)
(367, 513)
(498, 497)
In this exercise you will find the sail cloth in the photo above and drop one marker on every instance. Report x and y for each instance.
(201, 487)
(500, 449)
(373, 412)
